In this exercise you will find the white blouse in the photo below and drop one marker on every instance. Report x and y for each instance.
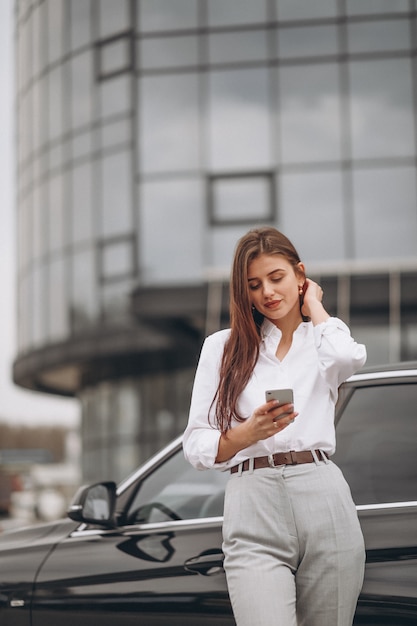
(320, 358)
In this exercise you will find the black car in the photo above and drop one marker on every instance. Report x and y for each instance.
(149, 552)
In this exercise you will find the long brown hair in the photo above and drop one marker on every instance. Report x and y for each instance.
(242, 348)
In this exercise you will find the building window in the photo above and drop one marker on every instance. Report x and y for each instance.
(238, 199)
(114, 56)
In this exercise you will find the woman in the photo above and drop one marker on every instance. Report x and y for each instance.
(294, 551)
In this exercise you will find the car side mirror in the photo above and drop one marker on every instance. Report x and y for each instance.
(94, 504)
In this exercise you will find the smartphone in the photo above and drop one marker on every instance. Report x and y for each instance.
(284, 396)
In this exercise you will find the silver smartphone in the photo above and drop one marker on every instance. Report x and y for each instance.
(284, 396)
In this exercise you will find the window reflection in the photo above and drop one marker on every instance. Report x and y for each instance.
(228, 12)
(113, 17)
(58, 327)
(115, 133)
(168, 52)
(385, 215)
(379, 36)
(55, 222)
(307, 41)
(238, 47)
(241, 198)
(81, 70)
(169, 123)
(114, 56)
(364, 7)
(165, 208)
(301, 10)
(55, 29)
(154, 15)
(114, 96)
(83, 300)
(382, 120)
(81, 196)
(116, 259)
(239, 123)
(317, 197)
(56, 95)
(310, 113)
(80, 14)
(116, 199)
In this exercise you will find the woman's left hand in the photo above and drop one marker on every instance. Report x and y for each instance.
(312, 302)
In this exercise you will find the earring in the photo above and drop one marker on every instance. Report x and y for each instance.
(300, 290)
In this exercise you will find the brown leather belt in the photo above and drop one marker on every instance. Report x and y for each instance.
(281, 458)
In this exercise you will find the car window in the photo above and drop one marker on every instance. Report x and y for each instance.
(377, 444)
(177, 491)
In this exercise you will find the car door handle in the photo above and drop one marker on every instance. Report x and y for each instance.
(206, 564)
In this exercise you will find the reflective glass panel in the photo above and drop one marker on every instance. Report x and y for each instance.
(311, 214)
(38, 113)
(81, 70)
(116, 259)
(238, 47)
(228, 12)
(301, 10)
(37, 310)
(168, 52)
(307, 41)
(239, 119)
(385, 218)
(115, 56)
(154, 15)
(56, 213)
(367, 434)
(84, 300)
(169, 123)
(114, 96)
(38, 41)
(80, 16)
(310, 113)
(241, 198)
(382, 108)
(379, 36)
(55, 29)
(364, 7)
(116, 199)
(172, 224)
(57, 301)
(81, 195)
(115, 133)
(55, 111)
(38, 221)
(113, 17)
(82, 145)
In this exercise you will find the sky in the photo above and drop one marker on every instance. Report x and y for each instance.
(17, 406)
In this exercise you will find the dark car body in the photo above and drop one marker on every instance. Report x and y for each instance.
(150, 551)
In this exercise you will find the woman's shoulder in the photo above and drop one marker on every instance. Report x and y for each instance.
(218, 338)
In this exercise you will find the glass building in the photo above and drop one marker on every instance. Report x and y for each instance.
(151, 134)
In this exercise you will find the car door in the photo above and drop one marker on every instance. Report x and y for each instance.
(161, 565)
(377, 452)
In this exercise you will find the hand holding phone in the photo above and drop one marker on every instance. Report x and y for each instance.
(283, 396)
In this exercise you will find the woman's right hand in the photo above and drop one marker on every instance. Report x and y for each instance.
(267, 420)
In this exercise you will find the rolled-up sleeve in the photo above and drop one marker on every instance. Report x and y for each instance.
(201, 437)
(340, 355)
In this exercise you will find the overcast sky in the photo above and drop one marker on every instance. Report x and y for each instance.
(16, 405)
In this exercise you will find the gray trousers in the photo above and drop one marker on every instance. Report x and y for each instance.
(294, 550)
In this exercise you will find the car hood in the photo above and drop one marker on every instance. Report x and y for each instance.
(48, 533)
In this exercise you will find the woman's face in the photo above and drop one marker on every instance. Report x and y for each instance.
(274, 287)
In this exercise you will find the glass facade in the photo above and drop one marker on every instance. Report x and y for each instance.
(153, 133)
